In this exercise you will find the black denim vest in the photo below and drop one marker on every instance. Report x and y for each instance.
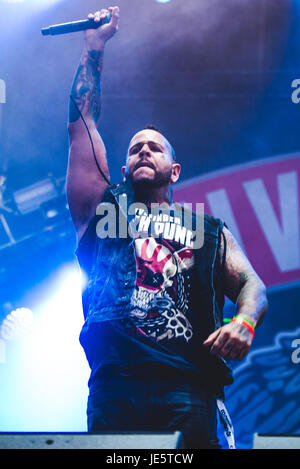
(111, 268)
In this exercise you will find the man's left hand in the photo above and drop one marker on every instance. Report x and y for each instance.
(231, 342)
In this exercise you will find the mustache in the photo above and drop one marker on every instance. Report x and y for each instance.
(144, 163)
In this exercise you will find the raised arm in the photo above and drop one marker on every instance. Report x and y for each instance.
(244, 287)
(85, 182)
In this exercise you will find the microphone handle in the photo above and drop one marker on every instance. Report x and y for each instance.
(74, 26)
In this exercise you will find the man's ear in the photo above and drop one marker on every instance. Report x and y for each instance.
(124, 172)
(176, 168)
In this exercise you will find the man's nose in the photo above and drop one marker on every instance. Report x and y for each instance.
(145, 150)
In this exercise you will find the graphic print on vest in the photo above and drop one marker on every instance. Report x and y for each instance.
(160, 300)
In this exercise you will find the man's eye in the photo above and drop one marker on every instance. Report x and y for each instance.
(134, 150)
(155, 148)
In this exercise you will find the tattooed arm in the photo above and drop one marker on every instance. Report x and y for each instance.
(85, 184)
(244, 287)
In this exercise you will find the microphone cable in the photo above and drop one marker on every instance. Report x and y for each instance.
(91, 140)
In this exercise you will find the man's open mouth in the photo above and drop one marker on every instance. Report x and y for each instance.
(144, 165)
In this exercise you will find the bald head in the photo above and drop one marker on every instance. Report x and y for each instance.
(151, 159)
(152, 130)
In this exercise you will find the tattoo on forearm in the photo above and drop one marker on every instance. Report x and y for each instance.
(242, 283)
(86, 90)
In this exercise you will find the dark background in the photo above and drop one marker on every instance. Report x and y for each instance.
(214, 75)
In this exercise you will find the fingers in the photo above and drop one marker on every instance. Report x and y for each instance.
(99, 15)
(221, 345)
(97, 37)
(102, 14)
(211, 338)
(240, 355)
(114, 15)
(233, 348)
(228, 343)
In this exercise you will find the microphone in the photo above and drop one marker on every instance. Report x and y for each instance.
(74, 26)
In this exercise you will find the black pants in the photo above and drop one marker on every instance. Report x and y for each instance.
(142, 401)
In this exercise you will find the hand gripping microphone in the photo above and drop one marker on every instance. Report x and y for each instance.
(74, 26)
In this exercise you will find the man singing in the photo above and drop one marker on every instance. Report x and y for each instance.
(153, 332)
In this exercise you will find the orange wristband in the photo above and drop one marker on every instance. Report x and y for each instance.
(245, 324)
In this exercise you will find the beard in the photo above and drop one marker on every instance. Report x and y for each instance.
(160, 179)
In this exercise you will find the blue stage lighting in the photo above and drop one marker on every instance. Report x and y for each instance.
(53, 369)
(47, 372)
(16, 324)
(31, 2)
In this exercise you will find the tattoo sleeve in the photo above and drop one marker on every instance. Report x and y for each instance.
(242, 284)
(86, 90)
